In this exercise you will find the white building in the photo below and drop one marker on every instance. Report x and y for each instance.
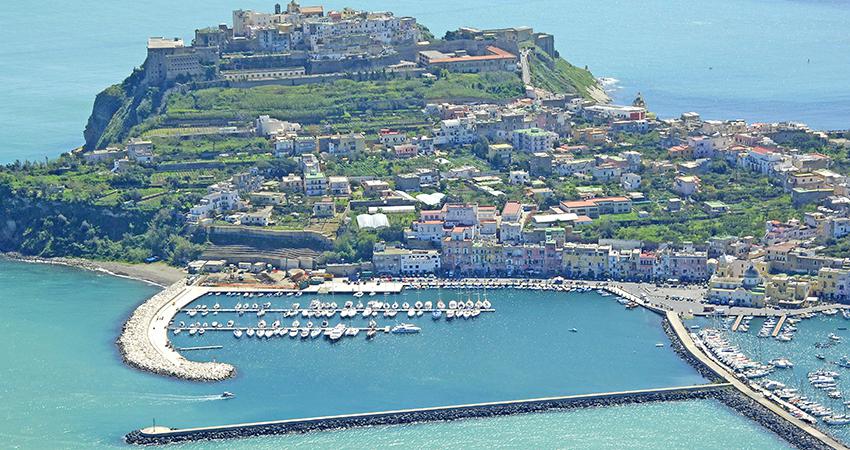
(455, 132)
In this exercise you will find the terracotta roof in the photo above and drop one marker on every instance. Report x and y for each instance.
(495, 53)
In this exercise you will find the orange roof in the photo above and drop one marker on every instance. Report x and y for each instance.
(495, 53)
(511, 208)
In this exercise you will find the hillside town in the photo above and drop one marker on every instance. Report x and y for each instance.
(545, 184)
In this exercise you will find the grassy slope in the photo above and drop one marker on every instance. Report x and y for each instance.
(343, 104)
(559, 76)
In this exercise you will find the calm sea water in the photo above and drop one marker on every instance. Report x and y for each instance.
(801, 351)
(65, 386)
(760, 60)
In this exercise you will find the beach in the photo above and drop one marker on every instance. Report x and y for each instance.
(158, 273)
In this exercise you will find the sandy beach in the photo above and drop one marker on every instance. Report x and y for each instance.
(157, 273)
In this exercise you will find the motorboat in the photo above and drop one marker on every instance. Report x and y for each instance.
(436, 314)
(405, 328)
(250, 332)
(237, 333)
(226, 395)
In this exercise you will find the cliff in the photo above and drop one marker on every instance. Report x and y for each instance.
(559, 76)
(119, 108)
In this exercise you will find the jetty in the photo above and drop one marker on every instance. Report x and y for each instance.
(165, 435)
(750, 402)
(778, 326)
(144, 343)
(737, 322)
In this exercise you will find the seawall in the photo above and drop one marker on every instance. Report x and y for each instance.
(744, 399)
(144, 343)
(162, 435)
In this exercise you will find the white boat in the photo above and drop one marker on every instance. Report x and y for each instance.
(411, 313)
(250, 332)
(177, 330)
(358, 294)
(405, 328)
(237, 333)
(436, 314)
(230, 323)
(315, 332)
(226, 395)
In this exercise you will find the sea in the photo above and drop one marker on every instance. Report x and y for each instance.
(759, 60)
(65, 386)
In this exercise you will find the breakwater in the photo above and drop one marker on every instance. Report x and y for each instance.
(144, 343)
(742, 398)
(162, 435)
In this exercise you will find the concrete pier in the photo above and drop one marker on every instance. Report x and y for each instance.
(750, 403)
(778, 327)
(162, 435)
(737, 323)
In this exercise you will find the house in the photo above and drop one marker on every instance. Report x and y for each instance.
(291, 183)
(406, 150)
(533, 140)
(680, 151)
(606, 172)
(630, 181)
(390, 138)
(261, 217)
(389, 260)
(109, 153)
(452, 132)
(263, 198)
(374, 188)
(408, 182)
(686, 185)
(596, 207)
(140, 151)
(518, 177)
(326, 207)
(339, 186)
(715, 207)
(315, 184)
(347, 144)
(761, 160)
(500, 153)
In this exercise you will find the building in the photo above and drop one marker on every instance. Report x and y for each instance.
(140, 151)
(389, 260)
(339, 186)
(596, 207)
(533, 140)
(169, 59)
(500, 153)
(686, 185)
(261, 217)
(326, 207)
(315, 184)
(492, 59)
(453, 132)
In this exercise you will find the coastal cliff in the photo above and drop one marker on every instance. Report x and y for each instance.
(119, 108)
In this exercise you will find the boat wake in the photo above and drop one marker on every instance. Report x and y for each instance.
(179, 398)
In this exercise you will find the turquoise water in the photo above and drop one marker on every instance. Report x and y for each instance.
(760, 60)
(697, 424)
(69, 388)
(801, 351)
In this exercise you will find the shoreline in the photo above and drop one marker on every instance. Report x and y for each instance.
(157, 274)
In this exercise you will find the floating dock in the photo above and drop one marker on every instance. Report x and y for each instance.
(202, 347)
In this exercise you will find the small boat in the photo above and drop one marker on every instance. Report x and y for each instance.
(405, 328)
(821, 357)
(573, 330)
(659, 345)
(226, 394)
(358, 294)
(250, 332)
(436, 314)
(237, 333)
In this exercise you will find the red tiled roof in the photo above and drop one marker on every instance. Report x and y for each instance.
(495, 53)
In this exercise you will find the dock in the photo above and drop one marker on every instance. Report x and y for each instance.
(737, 322)
(165, 435)
(202, 347)
(778, 327)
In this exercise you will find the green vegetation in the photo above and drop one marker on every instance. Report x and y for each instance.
(118, 108)
(343, 105)
(558, 76)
